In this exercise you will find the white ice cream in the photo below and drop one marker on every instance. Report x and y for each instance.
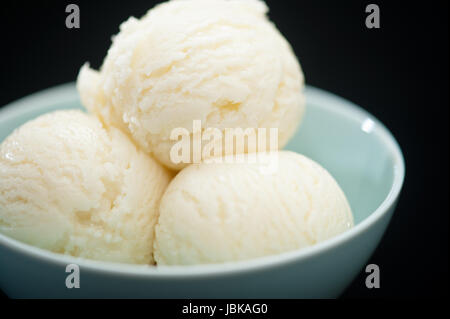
(73, 187)
(221, 62)
(213, 213)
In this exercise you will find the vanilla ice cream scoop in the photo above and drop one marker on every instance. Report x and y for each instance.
(220, 62)
(70, 186)
(218, 212)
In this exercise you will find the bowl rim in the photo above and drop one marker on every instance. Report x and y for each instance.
(321, 98)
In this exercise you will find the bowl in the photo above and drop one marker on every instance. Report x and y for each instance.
(354, 146)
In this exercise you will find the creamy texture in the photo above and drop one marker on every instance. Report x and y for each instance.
(221, 62)
(213, 213)
(70, 186)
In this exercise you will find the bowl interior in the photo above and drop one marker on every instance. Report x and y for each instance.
(351, 144)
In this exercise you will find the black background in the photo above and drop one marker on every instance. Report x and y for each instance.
(399, 73)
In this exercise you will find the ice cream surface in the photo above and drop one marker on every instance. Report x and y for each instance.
(71, 186)
(221, 62)
(213, 213)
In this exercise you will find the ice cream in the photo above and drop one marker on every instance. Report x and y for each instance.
(89, 186)
(221, 62)
(213, 213)
(71, 186)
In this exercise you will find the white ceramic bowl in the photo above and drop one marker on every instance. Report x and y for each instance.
(354, 146)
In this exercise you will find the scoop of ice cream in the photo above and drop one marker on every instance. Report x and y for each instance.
(221, 62)
(70, 186)
(218, 212)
